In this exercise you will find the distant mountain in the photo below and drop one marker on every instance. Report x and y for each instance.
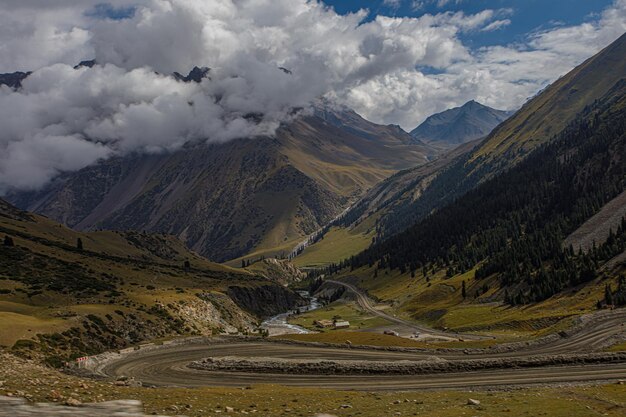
(460, 124)
(13, 79)
(252, 197)
(409, 196)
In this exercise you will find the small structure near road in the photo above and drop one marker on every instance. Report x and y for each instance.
(391, 333)
(323, 323)
(342, 324)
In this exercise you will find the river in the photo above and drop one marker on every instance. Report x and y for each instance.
(278, 324)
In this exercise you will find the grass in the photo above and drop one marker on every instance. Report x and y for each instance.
(267, 252)
(44, 385)
(121, 288)
(355, 338)
(337, 244)
(14, 326)
(439, 303)
(620, 347)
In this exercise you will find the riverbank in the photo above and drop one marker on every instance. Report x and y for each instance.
(278, 325)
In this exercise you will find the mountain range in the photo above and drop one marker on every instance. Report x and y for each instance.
(409, 196)
(256, 196)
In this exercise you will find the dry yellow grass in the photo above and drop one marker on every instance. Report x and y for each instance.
(15, 326)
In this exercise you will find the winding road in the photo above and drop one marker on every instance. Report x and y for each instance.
(366, 304)
(168, 365)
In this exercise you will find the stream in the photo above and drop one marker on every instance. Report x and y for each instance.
(278, 324)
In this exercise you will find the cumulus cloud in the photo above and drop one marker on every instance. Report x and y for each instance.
(503, 77)
(64, 118)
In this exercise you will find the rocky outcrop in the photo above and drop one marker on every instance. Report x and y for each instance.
(278, 270)
(217, 311)
(13, 79)
(266, 300)
(196, 75)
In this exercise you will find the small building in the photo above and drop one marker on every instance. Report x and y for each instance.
(342, 324)
(391, 333)
(323, 323)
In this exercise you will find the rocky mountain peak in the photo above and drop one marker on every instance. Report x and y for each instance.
(197, 74)
(459, 125)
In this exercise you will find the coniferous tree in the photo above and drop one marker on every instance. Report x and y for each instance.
(608, 295)
(79, 244)
(8, 241)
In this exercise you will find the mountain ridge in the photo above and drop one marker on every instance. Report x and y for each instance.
(228, 200)
(409, 196)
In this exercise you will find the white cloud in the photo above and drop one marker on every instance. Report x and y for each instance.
(503, 77)
(64, 119)
(496, 24)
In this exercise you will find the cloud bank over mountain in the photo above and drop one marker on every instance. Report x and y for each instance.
(389, 69)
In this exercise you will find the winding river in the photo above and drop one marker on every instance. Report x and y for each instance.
(278, 324)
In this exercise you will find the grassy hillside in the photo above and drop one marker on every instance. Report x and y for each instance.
(547, 114)
(393, 197)
(118, 289)
(437, 300)
(494, 259)
(337, 244)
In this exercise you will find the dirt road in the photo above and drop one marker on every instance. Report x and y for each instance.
(169, 365)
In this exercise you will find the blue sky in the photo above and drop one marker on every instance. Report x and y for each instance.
(527, 16)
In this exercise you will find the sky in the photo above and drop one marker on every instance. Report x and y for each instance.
(392, 61)
(525, 16)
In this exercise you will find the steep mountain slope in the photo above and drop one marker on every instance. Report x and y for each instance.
(62, 297)
(554, 108)
(460, 124)
(512, 227)
(246, 196)
(536, 123)
(391, 199)
(409, 196)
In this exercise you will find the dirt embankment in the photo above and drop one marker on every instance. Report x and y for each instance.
(429, 366)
